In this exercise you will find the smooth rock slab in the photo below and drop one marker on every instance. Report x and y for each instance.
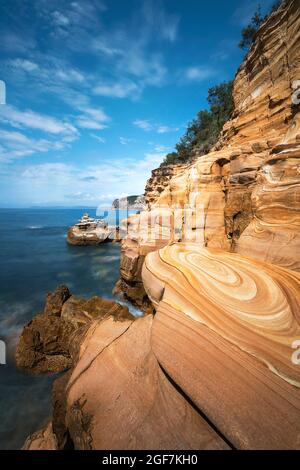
(119, 398)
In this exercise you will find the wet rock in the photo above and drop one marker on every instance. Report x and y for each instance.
(47, 340)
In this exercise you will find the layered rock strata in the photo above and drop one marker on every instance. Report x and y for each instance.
(218, 365)
(244, 196)
(158, 181)
(224, 330)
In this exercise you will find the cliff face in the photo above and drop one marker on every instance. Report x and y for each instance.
(217, 256)
(130, 202)
(159, 180)
(247, 189)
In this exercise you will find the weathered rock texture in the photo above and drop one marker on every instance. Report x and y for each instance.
(224, 331)
(244, 196)
(46, 341)
(215, 367)
(159, 180)
(118, 397)
(130, 202)
(93, 236)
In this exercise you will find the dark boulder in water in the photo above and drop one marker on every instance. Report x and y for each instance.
(46, 343)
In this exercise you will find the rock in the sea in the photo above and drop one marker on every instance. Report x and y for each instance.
(46, 341)
(89, 231)
(95, 236)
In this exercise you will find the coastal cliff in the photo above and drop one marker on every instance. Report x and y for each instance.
(217, 259)
(247, 187)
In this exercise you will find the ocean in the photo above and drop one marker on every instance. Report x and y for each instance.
(35, 259)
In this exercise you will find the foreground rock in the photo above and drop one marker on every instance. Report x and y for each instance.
(224, 331)
(216, 367)
(46, 341)
(119, 398)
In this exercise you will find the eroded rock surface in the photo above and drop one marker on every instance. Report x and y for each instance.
(244, 196)
(46, 341)
(119, 398)
(224, 331)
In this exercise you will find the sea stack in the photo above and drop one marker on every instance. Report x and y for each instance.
(89, 231)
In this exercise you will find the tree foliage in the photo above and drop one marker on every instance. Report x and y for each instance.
(203, 132)
(248, 33)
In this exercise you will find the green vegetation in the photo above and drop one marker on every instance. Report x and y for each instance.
(248, 33)
(203, 132)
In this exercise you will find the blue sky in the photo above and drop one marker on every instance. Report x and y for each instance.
(98, 91)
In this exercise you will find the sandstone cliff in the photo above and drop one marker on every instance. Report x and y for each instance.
(159, 180)
(130, 202)
(217, 255)
(246, 191)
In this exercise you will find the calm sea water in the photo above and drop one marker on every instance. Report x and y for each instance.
(35, 259)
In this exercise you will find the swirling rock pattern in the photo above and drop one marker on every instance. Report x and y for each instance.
(274, 233)
(247, 188)
(254, 305)
(224, 330)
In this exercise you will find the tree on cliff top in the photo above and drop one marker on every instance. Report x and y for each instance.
(249, 31)
(203, 132)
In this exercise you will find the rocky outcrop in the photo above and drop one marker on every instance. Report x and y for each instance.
(117, 376)
(93, 236)
(216, 367)
(224, 331)
(46, 341)
(130, 202)
(159, 180)
(44, 439)
(244, 196)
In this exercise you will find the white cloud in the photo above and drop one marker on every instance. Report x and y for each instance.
(70, 75)
(100, 45)
(24, 64)
(86, 123)
(125, 141)
(10, 114)
(147, 126)
(117, 90)
(162, 23)
(60, 19)
(199, 73)
(55, 182)
(166, 129)
(93, 118)
(97, 137)
(160, 149)
(17, 145)
(143, 124)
